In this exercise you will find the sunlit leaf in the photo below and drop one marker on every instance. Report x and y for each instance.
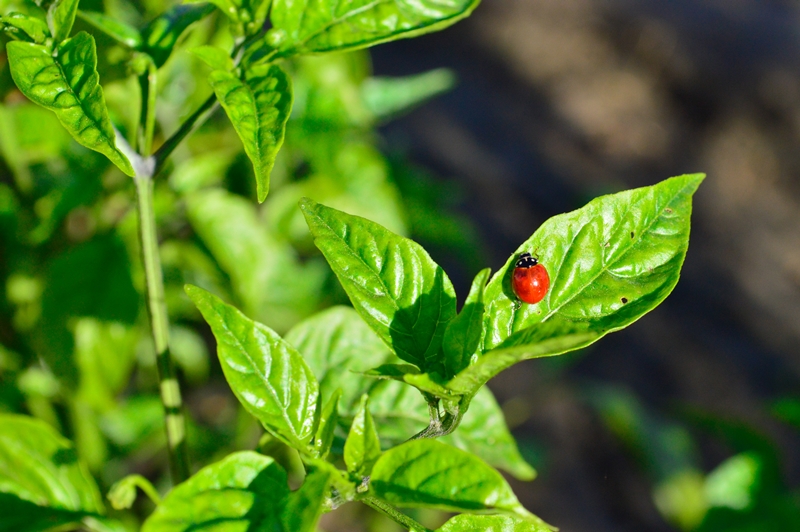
(214, 56)
(328, 419)
(61, 17)
(491, 523)
(114, 28)
(34, 27)
(463, 334)
(161, 34)
(362, 447)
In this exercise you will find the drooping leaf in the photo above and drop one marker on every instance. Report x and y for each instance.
(244, 491)
(303, 507)
(430, 474)
(267, 375)
(42, 482)
(491, 523)
(362, 447)
(214, 56)
(463, 334)
(258, 107)
(386, 97)
(68, 86)
(328, 419)
(34, 27)
(162, 33)
(123, 493)
(328, 25)
(609, 262)
(393, 283)
(61, 17)
(114, 28)
(339, 346)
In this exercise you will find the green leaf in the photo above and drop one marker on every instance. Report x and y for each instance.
(114, 28)
(214, 56)
(362, 447)
(42, 482)
(123, 493)
(68, 86)
(411, 375)
(34, 27)
(386, 97)
(463, 334)
(267, 375)
(161, 34)
(339, 347)
(258, 107)
(491, 523)
(609, 262)
(393, 283)
(328, 25)
(304, 506)
(244, 491)
(328, 419)
(430, 474)
(61, 17)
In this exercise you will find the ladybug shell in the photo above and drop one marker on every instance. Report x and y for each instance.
(531, 283)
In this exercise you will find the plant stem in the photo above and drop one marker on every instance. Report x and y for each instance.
(159, 322)
(147, 120)
(394, 514)
(194, 121)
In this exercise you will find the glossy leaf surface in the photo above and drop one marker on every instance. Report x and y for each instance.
(427, 473)
(161, 34)
(609, 262)
(258, 107)
(267, 375)
(463, 334)
(42, 482)
(35, 28)
(393, 283)
(362, 447)
(310, 26)
(303, 507)
(491, 523)
(328, 418)
(244, 491)
(68, 86)
(114, 28)
(60, 17)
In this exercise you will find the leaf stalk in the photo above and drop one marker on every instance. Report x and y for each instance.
(394, 514)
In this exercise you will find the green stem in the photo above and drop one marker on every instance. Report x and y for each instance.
(193, 122)
(159, 322)
(394, 514)
(147, 120)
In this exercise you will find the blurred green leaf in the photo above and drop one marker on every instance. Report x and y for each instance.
(134, 421)
(430, 474)
(362, 447)
(681, 500)
(267, 375)
(114, 28)
(303, 507)
(162, 33)
(330, 25)
(61, 17)
(491, 523)
(189, 352)
(71, 91)
(123, 492)
(214, 56)
(104, 354)
(609, 262)
(735, 482)
(386, 97)
(463, 334)
(34, 27)
(393, 283)
(43, 485)
(258, 107)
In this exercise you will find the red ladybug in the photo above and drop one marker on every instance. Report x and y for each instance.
(530, 281)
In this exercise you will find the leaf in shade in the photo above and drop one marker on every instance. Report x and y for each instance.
(258, 108)
(162, 33)
(334, 25)
(609, 262)
(430, 474)
(61, 17)
(42, 483)
(362, 447)
(68, 86)
(392, 282)
(463, 334)
(302, 509)
(328, 419)
(114, 28)
(267, 375)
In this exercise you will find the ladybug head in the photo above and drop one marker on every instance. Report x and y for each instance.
(526, 261)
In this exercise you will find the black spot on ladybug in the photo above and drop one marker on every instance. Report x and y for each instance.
(624, 300)
(631, 234)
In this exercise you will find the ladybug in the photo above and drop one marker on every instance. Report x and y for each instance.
(530, 281)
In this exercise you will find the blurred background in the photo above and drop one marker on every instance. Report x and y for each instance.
(687, 420)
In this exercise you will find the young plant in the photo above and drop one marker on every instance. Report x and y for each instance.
(357, 395)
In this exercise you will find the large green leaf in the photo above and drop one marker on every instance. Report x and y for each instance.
(310, 26)
(244, 491)
(362, 447)
(162, 33)
(267, 375)
(392, 281)
(303, 507)
(427, 473)
(492, 523)
(258, 107)
(61, 17)
(609, 262)
(42, 482)
(463, 334)
(67, 84)
(339, 347)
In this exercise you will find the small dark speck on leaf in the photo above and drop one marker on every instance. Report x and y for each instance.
(631, 234)
(624, 300)
(668, 210)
